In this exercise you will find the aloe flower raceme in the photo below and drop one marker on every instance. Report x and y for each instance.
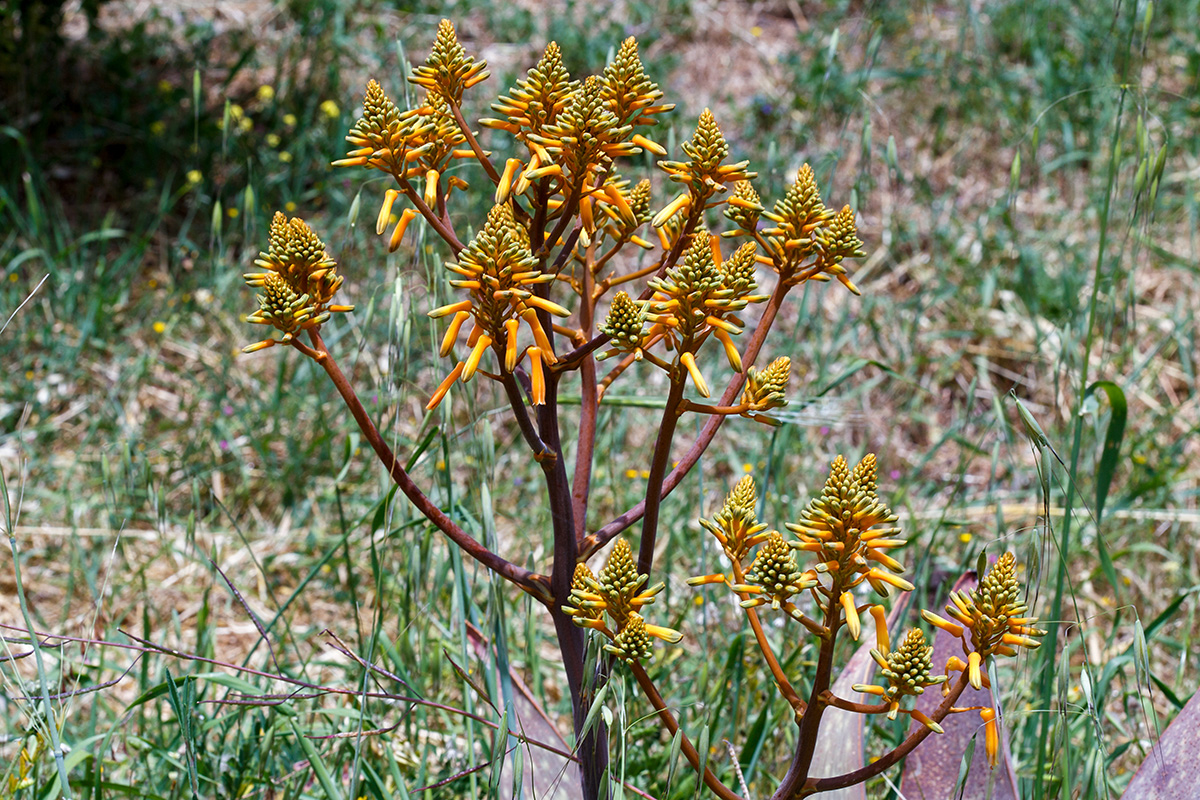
(617, 592)
(449, 71)
(991, 621)
(805, 229)
(420, 142)
(849, 530)
(701, 296)
(625, 326)
(736, 527)
(498, 272)
(766, 388)
(703, 174)
(298, 285)
(903, 672)
(775, 576)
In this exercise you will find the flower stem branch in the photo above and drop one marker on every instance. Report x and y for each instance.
(605, 534)
(672, 725)
(472, 142)
(888, 760)
(535, 584)
(658, 468)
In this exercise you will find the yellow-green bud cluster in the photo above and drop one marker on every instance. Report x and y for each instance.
(620, 581)
(703, 172)
(279, 305)
(907, 669)
(630, 94)
(632, 643)
(797, 215)
(744, 208)
(692, 290)
(736, 525)
(842, 528)
(624, 323)
(775, 570)
(538, 98)
(497, 267)
(838, 239)
(998, 622)
(299, 282)
(448, 71)
(583, 129)
(766, 388)
(617, 591)
(639, 201)
(737, 271)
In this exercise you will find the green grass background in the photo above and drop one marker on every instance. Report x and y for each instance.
(1028, 184)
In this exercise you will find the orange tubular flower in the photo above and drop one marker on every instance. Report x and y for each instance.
(994, 616)
(991, 735)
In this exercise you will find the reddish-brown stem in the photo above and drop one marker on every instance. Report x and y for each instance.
(810, 722)
(437, 223)
(785, 686)
(531, 582)
(573, 359)
(568, 213)
(700, 408)
(480, 156)
(605, 534)
(586, 441)
(672, 725)
(884, 762)
(831, 699)
(658, 468)
(576, 357)
(593, 748)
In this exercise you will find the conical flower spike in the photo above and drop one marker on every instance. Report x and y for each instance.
(535, 102)
(299, 281)
(703, 172)
(632, 644)
(625, 323)
(992, 612)
(449, 70)
(842, 528)
(766, 388)
(630, 94)
(774, 570)
(796, 217)
(736, 525)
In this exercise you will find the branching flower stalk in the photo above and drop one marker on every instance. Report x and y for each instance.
(546, 288)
